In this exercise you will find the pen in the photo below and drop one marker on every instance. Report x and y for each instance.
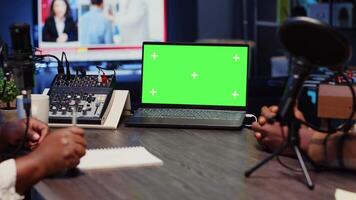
(74, 115)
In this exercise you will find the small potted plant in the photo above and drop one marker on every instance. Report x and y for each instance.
(8, 98)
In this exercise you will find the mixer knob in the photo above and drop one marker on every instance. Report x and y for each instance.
(64, 110)
(84, 111)
(54, 110)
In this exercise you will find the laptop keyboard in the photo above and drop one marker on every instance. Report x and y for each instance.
(189, 113)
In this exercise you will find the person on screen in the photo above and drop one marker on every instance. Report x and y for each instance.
(311, 141)
(94, 27)
(132, 21)
(59, 26)
(50, 154)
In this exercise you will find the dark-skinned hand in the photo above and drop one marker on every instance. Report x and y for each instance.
(12, 133)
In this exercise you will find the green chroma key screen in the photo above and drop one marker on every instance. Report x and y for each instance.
(194, 74)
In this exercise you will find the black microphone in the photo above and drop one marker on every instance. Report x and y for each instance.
(314, 41)
(311, 43)
(21, 61)
(301, 70)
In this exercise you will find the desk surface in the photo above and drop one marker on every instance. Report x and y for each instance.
(198, 164)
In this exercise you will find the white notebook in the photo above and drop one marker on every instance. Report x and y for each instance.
(117, 158)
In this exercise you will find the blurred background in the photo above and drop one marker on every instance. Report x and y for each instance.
(254, 22)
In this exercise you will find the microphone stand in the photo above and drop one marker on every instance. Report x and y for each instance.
(286, 118)
(293, 142)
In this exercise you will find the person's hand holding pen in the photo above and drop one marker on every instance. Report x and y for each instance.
(61, 150)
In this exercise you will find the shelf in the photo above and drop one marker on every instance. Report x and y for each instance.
(345, 29)
(267, 23)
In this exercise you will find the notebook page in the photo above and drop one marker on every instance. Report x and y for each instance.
(118, 158)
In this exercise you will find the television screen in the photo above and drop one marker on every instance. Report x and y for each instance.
(99, 30)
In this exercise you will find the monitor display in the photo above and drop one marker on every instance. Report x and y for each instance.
(184, 74)
(99, 30)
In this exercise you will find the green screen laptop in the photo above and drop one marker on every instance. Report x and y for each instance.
(192, 85)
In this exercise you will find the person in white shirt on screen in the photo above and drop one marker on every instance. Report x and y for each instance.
(50, 154)
(132, 21)
(94, 27)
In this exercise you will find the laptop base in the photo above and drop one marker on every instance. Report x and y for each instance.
(184, 123)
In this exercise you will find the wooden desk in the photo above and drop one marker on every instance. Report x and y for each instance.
(198, 164)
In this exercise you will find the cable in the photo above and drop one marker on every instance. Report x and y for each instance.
(287, 166)
(102, 69)
(325, 147)
(27, 107)
(284, 142)
(118, 66)
(24, 139)
(67, 64)
(279, 159)
(348, 124)
(35, 49)
(19, 147)
(60, 67)
(344, 127)
(250, 116)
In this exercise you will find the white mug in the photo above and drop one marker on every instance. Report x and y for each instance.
(39, 107)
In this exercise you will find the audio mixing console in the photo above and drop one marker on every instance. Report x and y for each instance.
(88, 96)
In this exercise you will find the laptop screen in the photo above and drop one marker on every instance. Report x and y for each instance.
(194, 74)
